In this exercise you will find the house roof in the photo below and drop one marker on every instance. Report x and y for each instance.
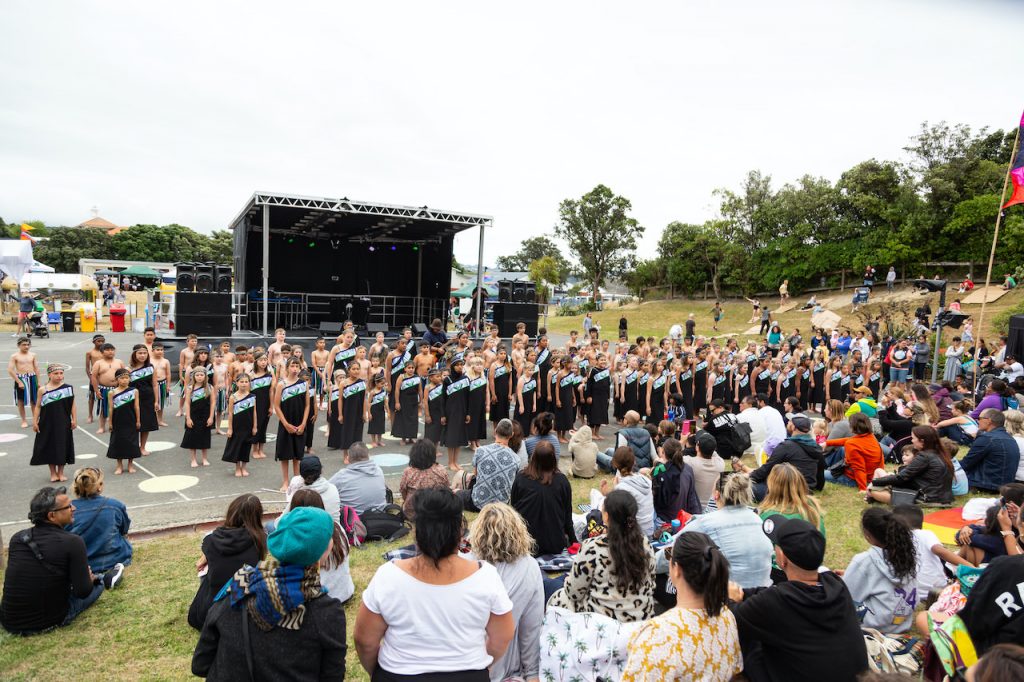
(97, 221)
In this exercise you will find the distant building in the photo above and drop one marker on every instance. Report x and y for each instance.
(98, 223)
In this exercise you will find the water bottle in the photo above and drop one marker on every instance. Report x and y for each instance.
(675, 526)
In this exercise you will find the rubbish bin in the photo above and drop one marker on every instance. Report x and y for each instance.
(67, 318)
(117, 313)
(88, 312)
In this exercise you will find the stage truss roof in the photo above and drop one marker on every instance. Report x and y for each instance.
(353, 221)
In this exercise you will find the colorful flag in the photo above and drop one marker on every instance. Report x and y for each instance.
(1017, 173)
(26, 235)
(25, 227)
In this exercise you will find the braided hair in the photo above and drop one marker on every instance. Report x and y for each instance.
(893, 535)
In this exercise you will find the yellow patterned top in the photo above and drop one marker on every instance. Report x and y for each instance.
(685, 644)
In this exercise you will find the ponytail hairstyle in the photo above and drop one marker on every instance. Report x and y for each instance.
(673, 450)
(929, 437)
(894, 537)
(626, 543)
(705, 569)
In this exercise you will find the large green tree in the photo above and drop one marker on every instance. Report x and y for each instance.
(66, 245)
(600, 233)
(533, 249)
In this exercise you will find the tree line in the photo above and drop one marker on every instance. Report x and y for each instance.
(937, 204)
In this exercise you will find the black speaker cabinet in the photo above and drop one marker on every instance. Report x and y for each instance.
(205, 277)
(504, 291)
(203, 304)
(223, 280)
(508, 315)
(330, 328)
(1015, 342)
(185, 280)
(519, 292)
(374, 327)
(531, 293)
(202, 325)
(419, 329)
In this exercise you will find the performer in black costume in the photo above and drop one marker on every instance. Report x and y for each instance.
(144, 381)
(198, 418)
(241, 425)
(292, 407)
(262, 387)
(54, 421)
(378, 411)
(434, 410)
(456, 415)
(598, 389)
(124, 422)
(405, 424)
(354, 408)
(501, 386)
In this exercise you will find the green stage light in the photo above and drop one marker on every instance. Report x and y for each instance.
(415, 248)
(312, 244)
(291, 240)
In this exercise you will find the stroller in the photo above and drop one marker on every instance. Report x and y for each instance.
(37, 321)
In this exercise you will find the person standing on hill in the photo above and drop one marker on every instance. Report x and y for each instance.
(784, 292)
(890, 279)
(691, 327)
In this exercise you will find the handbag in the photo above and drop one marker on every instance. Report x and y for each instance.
(839, 468)
(903, 496)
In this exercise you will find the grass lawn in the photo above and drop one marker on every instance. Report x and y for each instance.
(139, 631)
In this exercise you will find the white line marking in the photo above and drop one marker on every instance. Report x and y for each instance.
(134, 462)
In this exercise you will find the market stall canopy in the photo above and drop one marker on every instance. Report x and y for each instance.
(40, 267)
(467, 290)
(45, 281)
(140, 271)
(107, 271)
(16, 257)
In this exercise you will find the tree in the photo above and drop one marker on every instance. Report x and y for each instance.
(222, 246)
(600, 233)
(534, 249)
(66, 245)
(544, 271)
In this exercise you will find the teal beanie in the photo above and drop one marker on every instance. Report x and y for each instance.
(301, 536)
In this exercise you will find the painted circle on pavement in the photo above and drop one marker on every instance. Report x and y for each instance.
(6, 417)
(3, 454)
(10, 437)
(168, 484)
(271, 437)
(388, 436)
(89, 456)
(390, 459)
(159, 445)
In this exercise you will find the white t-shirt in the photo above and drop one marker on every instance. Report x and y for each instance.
(675, 331)
(929, 566)
(774, 427)
(753, 417)
(435, 628)
(1012, 371)
(1020, 466)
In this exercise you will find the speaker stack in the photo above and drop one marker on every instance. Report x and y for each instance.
(508, 315)
(223, 280)
(1015, 342)
(504, 291)
(202, 302)
(185, 280)
(205, 277)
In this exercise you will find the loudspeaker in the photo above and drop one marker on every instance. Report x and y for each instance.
(330, 328)
(419, 329)
(531, 293)
(360, 313)
(202, 325)
(223, 281)
(374, 327)
(1015, 342)
(519, 292)
(186, 303)
(185, 280)
(508, 315)
(204, 277)
(504, 291)
(953, 319)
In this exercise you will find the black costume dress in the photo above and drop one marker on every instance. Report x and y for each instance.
(700, 386)
(805, 387)
(398, 364)
(378, 413)
(198, 436)
(142, 381)
(239, 445)
(657, 399)
(313, 413)
(543, 367)
(641, 394)
(54, 443)
(719, 387)
(835, 381)
(525, 418)
(788, 387)
(875, 383)
(565, 416)
(333, 425)
(433, 431)
(260, 389)
(818, 392)
(763, 381)
(456, 397)
(353, 402)
(686, 388)
(844, 388)
(598, 390)
(630, 397)
(477, 408)
(406, 420)
(742, 389)
(499, 408)
(293, 407)
(124, 437)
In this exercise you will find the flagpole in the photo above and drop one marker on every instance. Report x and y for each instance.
(991, 258)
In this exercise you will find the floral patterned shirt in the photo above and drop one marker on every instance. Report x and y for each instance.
(685, 644)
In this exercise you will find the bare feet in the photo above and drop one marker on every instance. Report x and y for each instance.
(101, 430)
(54, 479)
(145, 453)
(24, 424)
(238, 474)
(162, 423)
(90, 417)
(206, 462)
(562, 440)
(195, 465)
(63, 477)
(131, 469)
(118, 471)
(346, 460)
(221, 433)
(283, 489)
(245, 473)
(454, 467)
(178, 413)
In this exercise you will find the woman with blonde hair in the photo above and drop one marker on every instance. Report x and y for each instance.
(499, 537)
(789, 496)
(101, 522)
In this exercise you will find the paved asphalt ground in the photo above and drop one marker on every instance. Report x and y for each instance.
(166, 491)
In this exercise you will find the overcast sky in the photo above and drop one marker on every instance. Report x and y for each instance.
(161, 113)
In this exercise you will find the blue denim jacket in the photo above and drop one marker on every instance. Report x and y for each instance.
(102, 523)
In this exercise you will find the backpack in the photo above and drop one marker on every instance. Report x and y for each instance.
(889, 654)
(385, 523)
(1010, 403)
(355, 529)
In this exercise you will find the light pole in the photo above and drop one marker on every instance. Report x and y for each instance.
(934, 285)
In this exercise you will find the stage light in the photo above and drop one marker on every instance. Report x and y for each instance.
(394, 248)
(312, 244)
(372, 247)
(291, 240)
(415, 248)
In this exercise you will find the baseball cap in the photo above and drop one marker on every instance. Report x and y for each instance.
(310, 465)
(801, 542)
(863, 389)
(800, 423)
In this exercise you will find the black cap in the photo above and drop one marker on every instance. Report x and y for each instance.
(310, 465)
(707, 443)
(800, 423)
(801, 542)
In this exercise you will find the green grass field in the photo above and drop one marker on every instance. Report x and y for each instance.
(139, 631)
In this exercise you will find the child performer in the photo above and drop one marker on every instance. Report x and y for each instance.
(24, 370)
(54, 420)
(378, 411)
(219, 389)
(162, 370)
(334, 411)
(143, 380)
(91, 356)
(433, 406)
(354, 408)
(291, 404)
(405, 424)
(314, 408)
(241, 425)
(198, 417)
(263, 384)
(123, 408)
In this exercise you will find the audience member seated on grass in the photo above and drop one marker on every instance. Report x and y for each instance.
(750, 415)
(774, 425)
(311, 478)
(542, 495)
(929, 472)
(238, 542)
(335, 575)
(634, 483)
(788, 496)
(884, 578)
(865, 403)
(982, 542)
(961, 427)
(517, 444)
(994, 613)
(423, 472)
(806, 628)
(994, 456)
(542, 430)
(707, 466)
(929, 550)
(634, 436)
(1014, 425)
(698, 639)
(101, 522)
(495, 466)
(582, 453)
(436, 612)
(48, 582)
(674, 486)
(736, 529)
(799, 450)
(273, 621)
(838, 425)
(360, 484)
(1001, 663)
(613, 574)
(863, 455)
(499, 537)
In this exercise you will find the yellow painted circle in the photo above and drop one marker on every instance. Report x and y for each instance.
(168, 484)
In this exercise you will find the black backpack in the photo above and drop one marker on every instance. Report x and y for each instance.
(385, 523)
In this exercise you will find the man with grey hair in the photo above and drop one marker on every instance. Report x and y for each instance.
(360, 484)
(993, 458)
(494, 468)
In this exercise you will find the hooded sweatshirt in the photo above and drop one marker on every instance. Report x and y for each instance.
(328, 493)
(640, 487)
(583, 453)
(361, 486)
(226, 550)
(794, 631)
(889, 601)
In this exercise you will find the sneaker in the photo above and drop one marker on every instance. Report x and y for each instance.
(112, 577)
